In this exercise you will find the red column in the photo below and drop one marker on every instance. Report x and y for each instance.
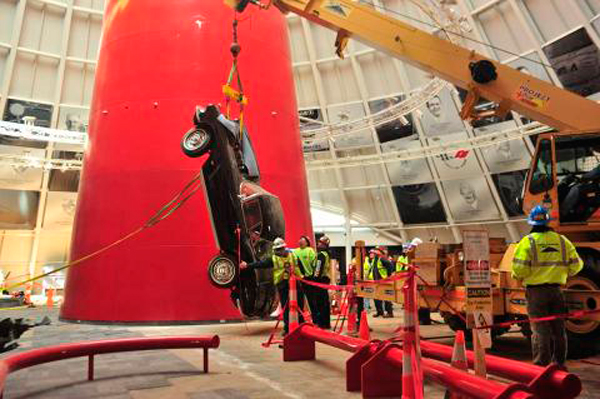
(158, 60)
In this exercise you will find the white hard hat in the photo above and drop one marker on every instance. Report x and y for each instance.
(279, 243)
(325, 240)
(415, 242)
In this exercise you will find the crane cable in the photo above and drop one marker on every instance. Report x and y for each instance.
(230, 92)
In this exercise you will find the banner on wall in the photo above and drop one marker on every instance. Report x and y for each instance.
(41, 133)
(576, 60)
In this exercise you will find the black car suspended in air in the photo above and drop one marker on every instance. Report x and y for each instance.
(236, 201)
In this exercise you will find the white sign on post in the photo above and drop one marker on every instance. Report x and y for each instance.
(484, 334)
(478, 282)
(476, 244)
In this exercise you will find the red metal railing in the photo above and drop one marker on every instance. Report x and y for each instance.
(34, 357)
(540, 382)
(544, 381)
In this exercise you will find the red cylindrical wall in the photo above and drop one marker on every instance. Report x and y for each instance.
(158, 60)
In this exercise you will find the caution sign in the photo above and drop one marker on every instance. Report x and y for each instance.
(479, 299)
(484, 334)
(477, 273)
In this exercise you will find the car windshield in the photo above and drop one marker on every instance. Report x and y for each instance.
(252, 215)
(249, 158)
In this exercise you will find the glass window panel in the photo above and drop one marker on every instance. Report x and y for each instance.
(507, 155)
(419, 203)
(503, 29)
(440, 116)
(17, 175)
(510, 189)
(60, 210)
(470, 199)
(457, 161)
(18, 209)
(551, 17)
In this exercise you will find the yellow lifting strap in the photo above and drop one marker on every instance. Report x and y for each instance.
(230, 92)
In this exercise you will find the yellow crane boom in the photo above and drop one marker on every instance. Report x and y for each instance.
(479, 75)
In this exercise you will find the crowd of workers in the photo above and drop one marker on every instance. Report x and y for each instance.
(543, 261)
(315, 266)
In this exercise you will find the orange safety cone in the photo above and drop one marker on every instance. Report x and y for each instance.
(459, 360)
(293, 294)
(50, 298)
(459, 353)
(363, 332)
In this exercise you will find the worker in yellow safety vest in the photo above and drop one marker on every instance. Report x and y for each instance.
(377, 268)
(402, 262)
(408, 252)
(283, 262)
(543, 261)
(322, 274)
(307, 258)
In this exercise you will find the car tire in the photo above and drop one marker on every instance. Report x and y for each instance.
(223, 271)
(196, 141)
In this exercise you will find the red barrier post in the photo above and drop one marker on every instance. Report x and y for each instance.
(300, 345)
(352, 305)
(544, 382)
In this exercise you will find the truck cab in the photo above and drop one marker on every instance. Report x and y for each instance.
(561, 179)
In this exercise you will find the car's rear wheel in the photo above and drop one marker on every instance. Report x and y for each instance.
(196, 142)
(222, 271)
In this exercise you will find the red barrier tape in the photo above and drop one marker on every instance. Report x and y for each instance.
(327, 286)
(577, 314)
(456, 312)
(395, 277)
(573, 315)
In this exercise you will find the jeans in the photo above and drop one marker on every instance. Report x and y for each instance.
(549, 340)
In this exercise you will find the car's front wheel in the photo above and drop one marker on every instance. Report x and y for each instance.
(195, 142)
(222, 271)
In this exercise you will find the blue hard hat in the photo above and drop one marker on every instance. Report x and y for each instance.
(538, 216)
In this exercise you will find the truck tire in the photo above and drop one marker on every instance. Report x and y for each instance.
(583, 334)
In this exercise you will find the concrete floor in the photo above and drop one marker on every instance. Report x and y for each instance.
(240, 368)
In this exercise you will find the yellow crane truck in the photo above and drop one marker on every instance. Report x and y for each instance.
(561, 158)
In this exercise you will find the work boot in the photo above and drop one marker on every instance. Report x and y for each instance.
(377, 315)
